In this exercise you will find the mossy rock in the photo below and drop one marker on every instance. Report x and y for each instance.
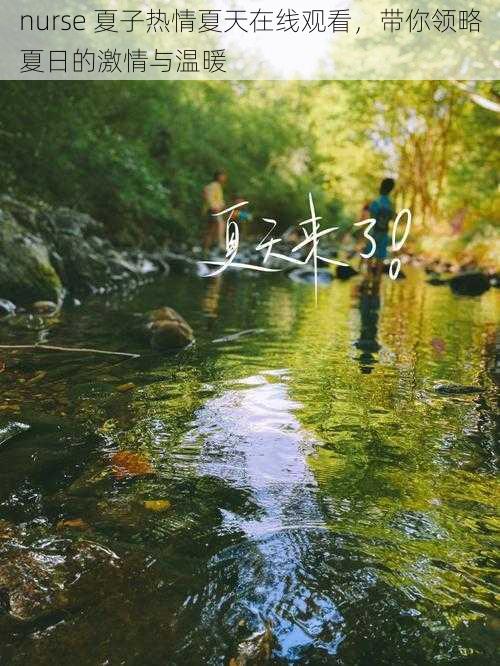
(26, 274)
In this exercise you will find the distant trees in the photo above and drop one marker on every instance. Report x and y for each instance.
(137, 154)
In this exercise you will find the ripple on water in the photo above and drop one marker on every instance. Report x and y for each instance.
(316, 481)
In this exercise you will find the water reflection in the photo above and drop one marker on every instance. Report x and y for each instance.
(369, 308)
(211, 299)
(249, 436)
(342, 499)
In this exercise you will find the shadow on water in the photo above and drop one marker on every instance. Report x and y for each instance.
(302, 493)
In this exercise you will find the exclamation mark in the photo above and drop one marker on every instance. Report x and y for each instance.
(395, 267)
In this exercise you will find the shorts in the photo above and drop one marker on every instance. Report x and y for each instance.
(382, 242)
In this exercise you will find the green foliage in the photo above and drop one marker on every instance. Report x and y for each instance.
(136, 155)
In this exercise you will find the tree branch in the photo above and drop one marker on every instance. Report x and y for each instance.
(69, 349)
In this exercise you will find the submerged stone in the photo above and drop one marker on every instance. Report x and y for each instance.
(31, 582)
(157, 505)
(73, 524)
(129, 464)
(36, 582)
(10, 430)
(456, 389)
(256, 649)
(124, 388)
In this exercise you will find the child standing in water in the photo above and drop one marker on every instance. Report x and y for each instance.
(382, 210)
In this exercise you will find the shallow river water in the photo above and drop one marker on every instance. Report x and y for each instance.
(318, 490)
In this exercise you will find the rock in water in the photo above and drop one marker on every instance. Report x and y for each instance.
(36, 584)
(165, 314)
(307, 276)
(28, 580)
(4, 601)
(470, 284)
(130, 463)
(169, 330)
(167, 335)
(157, 505)
(6, 307)
(346, 272)
(257, 649)
(28, 275)
(46, 308)
(72, 524)
(11, 430)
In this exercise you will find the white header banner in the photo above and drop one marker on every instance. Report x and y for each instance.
(249, 39)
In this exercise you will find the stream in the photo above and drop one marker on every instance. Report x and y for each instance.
(310, 484)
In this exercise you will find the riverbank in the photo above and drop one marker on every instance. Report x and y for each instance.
(49, 254)
(52, 255)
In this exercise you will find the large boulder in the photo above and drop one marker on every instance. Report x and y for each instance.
(86, 261)
(60, 245)
(89, 262)
(26, 272)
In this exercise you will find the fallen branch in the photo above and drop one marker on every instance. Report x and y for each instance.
(69, 349)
